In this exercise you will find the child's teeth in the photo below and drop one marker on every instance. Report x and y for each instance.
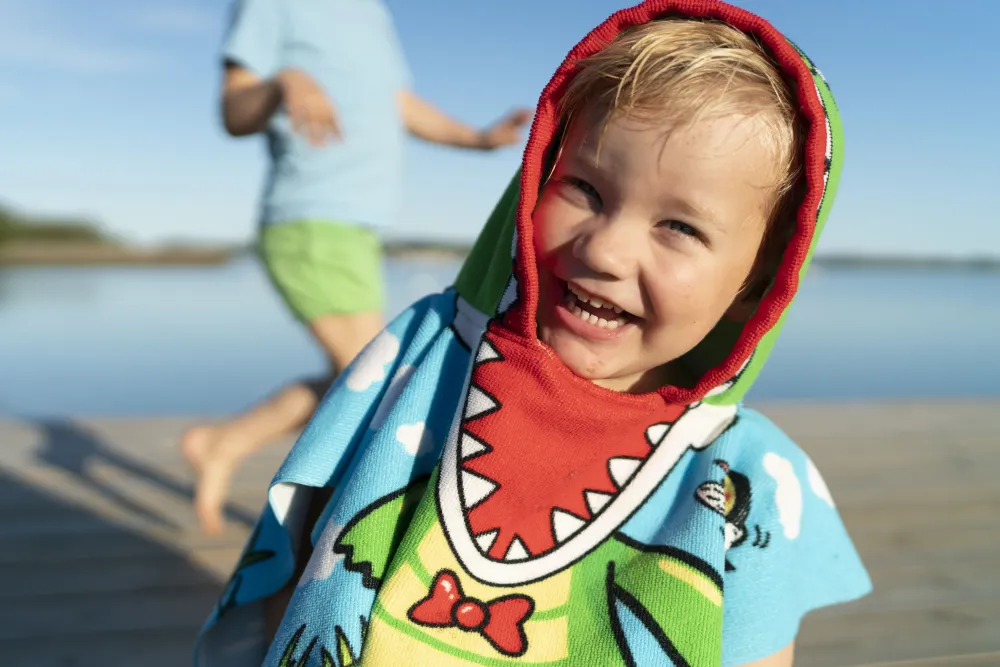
(575, 298)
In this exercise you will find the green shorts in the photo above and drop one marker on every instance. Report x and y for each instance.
(324, 268)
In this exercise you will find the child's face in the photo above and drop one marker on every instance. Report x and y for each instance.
(664, 229)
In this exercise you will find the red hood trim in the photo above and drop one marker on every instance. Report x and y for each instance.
(520, 320)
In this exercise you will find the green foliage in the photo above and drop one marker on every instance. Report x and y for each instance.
(288, 657)
(348, 655)
(17, 227)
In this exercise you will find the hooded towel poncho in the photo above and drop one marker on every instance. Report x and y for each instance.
(488, 507)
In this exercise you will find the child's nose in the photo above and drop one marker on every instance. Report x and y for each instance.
(608, 248)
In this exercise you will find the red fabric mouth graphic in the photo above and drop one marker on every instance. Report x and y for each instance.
(538, 458)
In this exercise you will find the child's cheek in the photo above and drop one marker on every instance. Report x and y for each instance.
(546, 229)
(673, 289)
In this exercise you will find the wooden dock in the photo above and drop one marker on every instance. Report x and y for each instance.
(101, 563)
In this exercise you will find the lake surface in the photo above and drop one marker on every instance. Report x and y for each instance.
(211, 340)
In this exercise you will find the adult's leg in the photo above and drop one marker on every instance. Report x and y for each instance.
(216, 449)
(344, 336)
(318, 268)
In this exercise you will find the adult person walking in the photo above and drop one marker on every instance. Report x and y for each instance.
(326, 82)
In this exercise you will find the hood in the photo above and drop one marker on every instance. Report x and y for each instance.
(544, 464)
(499, 278)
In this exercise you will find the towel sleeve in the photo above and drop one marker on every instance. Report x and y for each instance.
(789, 552)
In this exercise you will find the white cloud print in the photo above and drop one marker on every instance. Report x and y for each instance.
(818, 484)
(787, 493)
(323, 560)
(396, 386)
(371, 366)
(416, 439)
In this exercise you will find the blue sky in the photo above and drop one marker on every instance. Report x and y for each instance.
(108, 109)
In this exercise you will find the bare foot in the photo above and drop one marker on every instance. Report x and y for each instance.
(215, 450)
(214, 455)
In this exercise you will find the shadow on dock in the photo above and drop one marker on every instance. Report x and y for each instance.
(82, 590)
(76, 450)
(101, 561)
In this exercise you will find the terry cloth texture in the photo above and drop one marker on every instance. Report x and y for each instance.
(490, 508)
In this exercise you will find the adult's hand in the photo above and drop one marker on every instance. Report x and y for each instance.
(311, 112)
(507, 130)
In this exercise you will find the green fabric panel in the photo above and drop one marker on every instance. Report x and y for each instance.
(587, 613)
(374, 534)
(697, 632)
(766, 344)
(488, 268)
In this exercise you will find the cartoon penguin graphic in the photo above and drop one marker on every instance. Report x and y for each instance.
(731, 498)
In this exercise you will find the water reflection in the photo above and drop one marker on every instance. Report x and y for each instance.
(210, 340)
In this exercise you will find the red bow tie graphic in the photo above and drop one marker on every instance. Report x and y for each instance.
(500, 621)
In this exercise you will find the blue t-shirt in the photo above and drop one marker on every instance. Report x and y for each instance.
(350, 47)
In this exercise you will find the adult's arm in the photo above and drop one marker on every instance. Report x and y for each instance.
(249, 101)
(425, 121)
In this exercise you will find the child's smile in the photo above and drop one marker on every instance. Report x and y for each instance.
(592, 316)
(644, 244)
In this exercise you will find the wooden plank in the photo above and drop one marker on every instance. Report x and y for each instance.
(991, 659)
(147, 648)
(114, 573)
(99, 551)
(76, 615)
(926, 585)
(88, 537)
(829, 640)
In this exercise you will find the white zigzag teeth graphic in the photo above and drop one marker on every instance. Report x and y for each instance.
(622, 468)
(565, 525)
(656, 433)
(478, 403)
(503, 563)
(596, 500)
(471, 446)
(476, 488)
(516, 551)
(509, 296)
(487, 353)
(485, 540)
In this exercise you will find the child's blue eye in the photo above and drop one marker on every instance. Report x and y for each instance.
(681, 227)
(584, 187)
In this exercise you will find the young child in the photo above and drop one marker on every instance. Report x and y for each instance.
(550, 464)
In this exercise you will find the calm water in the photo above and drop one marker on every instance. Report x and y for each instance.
(144, 341)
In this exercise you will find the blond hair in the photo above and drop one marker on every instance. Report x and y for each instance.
(678, 71)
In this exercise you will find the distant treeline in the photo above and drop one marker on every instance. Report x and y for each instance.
(17, 230)
(17, 227)
(908, 262)
(395, 247)
(459, 249)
